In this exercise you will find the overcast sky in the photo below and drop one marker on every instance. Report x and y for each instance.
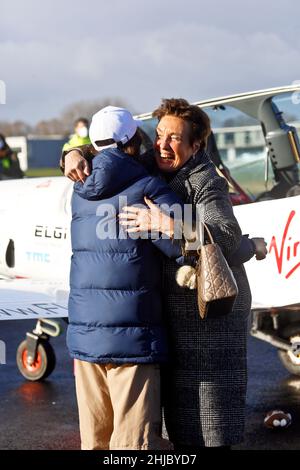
(55, 52)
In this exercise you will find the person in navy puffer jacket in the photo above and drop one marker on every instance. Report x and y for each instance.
(116, 332)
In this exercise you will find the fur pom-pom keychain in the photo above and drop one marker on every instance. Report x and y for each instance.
(186, 277)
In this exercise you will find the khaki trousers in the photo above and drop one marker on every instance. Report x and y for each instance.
(119, 406)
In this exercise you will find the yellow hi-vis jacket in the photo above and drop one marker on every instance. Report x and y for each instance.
(76, 141)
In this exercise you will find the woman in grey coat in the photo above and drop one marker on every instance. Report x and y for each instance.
(206, 388)
(205, 382)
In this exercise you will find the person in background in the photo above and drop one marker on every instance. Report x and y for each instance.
(80, 136)
(9, 162)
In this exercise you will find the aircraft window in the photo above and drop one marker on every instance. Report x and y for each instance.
(289, 105)
(242, 148)
(149, 127)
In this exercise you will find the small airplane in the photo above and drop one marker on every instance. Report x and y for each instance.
(35, 253)
(255, 146)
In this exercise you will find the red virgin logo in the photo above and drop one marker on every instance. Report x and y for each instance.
(286, 250)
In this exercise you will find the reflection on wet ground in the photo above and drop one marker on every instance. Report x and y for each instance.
(35, 392)
(271, 387)
(44, 415)
(37, 415)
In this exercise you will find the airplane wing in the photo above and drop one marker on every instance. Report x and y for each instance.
(27, 299)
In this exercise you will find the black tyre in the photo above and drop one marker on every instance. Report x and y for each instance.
(43, 365)
(289, 362)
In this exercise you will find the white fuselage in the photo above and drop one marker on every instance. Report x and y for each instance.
(35, 243)
(35, 228)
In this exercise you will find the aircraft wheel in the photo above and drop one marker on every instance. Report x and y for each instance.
(291, 359)
(43, 365)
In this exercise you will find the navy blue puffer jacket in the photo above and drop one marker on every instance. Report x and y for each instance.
(115, 311)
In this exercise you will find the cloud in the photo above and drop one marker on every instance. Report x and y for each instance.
(141, 52)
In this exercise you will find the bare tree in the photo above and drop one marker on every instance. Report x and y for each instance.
(14, 128)
(64, 124)
(86, 109)
(53, 126)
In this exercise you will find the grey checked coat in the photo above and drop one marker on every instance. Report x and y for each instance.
(204, 387)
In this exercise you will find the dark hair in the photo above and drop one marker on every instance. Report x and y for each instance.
(198, 119)
(82, 119)
(132, 147)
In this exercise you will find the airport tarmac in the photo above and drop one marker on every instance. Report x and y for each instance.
(44, 415)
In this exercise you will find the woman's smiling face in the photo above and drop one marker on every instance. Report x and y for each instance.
(173, 146)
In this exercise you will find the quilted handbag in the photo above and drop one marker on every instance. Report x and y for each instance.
(216, 285)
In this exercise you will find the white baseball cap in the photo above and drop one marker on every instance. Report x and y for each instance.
(110, 126)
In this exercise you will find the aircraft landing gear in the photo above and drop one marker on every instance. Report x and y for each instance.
(35, 355)
(291, 359)
(281, 328)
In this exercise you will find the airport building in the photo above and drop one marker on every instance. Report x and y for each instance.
(37, 151)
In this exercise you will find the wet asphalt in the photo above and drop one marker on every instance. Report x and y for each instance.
(43, 415)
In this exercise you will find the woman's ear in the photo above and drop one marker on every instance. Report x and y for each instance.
(196, 147)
